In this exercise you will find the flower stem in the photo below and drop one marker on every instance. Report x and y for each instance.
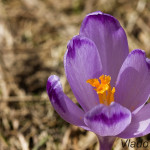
(106, 142)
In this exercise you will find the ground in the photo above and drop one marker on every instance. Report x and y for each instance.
(33, 39)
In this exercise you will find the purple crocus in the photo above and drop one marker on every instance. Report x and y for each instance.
(110, 84)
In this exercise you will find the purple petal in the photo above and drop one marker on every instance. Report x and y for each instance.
(108, 120)
(140, 124)
(110, 39)
(62, 104)
(82, 62)
(133, 82)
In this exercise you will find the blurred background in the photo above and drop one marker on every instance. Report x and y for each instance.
(33, 40)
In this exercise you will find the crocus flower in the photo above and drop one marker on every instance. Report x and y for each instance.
(110, 84)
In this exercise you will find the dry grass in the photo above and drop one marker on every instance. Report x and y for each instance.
(33, 39)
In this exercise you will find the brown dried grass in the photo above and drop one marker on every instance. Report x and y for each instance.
(33, 39)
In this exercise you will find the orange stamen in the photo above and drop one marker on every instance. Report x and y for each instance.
(103, 89)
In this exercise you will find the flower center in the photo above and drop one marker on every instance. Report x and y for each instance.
(103, 89)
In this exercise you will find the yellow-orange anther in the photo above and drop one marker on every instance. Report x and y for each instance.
(103, 89)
